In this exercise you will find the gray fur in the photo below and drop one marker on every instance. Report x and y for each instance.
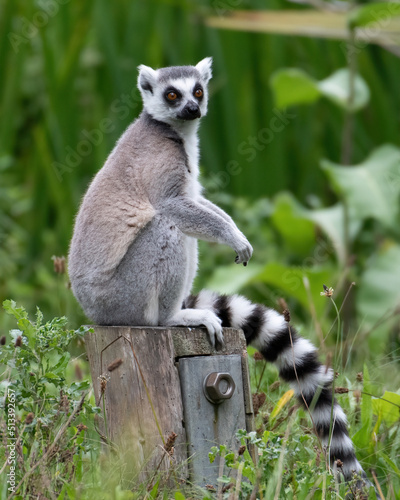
(133, 255)
(175, 72)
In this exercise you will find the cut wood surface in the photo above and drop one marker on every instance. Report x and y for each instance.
(142, 397)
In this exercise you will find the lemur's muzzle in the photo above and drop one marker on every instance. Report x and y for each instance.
(190, 112)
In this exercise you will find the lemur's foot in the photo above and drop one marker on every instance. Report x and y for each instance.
(200, 317)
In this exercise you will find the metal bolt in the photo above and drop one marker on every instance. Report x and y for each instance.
(218, 387)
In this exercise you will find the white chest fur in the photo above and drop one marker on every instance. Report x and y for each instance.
(191, 144)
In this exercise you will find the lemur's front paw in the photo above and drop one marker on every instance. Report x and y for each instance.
(244, 251)
(214, 328)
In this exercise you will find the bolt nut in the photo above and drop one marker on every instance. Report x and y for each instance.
(218, 387)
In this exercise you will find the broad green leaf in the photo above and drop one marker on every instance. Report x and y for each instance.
(296, 224)
(331, 221)
(289, 219)
(362, 438)
(284, 400)
(336, 88)
(366, 402)
(372, 188)
(80, 386)
(293, 86)
(387, 407)
(390, 462)
(379, 291)
(373, 14)
(51, 376)
(179, 496)
(62, 494)
(154, 491)
(60, 366)
(231, 279)
(289, 279)
(371, 493)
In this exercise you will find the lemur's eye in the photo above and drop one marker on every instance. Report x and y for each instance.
(171, 96)
(198, 93)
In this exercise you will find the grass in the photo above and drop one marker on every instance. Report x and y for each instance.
(58, 84)
(59, 452)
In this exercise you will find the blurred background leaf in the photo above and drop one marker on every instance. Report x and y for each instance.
(371, 188)
(292, 86)
(68, 90)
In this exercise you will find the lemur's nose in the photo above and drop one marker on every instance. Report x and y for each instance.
(191, 111)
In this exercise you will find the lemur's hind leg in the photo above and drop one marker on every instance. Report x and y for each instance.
(297, 361)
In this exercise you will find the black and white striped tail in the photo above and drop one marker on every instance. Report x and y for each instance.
(297, 361)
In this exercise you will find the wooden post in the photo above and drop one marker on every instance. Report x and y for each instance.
(136, 380)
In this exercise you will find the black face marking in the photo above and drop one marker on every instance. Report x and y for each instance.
(172, 90)
(197, 88)
(191, 111)
(146, 85)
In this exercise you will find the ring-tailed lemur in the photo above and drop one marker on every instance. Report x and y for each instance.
(133, 255)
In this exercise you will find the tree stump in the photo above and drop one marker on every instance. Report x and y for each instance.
(150, 384)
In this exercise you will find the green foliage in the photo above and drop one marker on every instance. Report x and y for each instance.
(286, 468)
(42, 413)
(379, 291)
(372, 188)
(387, 408)
(337, 88)
(293, 87)
(372, 14)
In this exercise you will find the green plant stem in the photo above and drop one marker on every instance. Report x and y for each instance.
(347, 137)
(348, 126)
(339, 329)
(238, 488)
(105, 416)
(333, 368)
(261, 377)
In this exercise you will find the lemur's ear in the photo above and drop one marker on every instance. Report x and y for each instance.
(147, 78)
(204, 68)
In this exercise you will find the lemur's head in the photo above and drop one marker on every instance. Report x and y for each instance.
(176, 94)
